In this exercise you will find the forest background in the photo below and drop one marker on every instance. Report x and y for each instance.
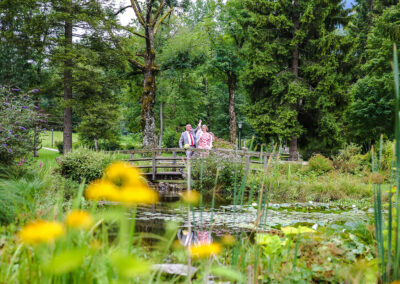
(312, 74)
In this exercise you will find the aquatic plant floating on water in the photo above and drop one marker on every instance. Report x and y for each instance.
(296, 231)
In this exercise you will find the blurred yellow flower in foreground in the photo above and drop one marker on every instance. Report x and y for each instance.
(123, 174)
(79, 219)
(191, 197)
(100, 190)
(41, 231)
(205, 250)
(121, 183)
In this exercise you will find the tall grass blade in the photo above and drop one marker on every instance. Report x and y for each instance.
(397, 159)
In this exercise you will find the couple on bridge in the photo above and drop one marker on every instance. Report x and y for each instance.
(197, 138)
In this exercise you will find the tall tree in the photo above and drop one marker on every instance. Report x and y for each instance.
(371, 111)
(150, 15)
(226, 41)
(69, 16)
(294, 73)
(68, 65)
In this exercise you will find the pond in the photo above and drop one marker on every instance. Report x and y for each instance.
(209, 222)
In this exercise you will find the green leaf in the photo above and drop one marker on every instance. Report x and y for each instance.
(129, 266)
(228, 273)
(65, 261)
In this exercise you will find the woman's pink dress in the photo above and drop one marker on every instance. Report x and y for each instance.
(205, 141)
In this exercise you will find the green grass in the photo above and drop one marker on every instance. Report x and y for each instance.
(57, 136)
(48, 158)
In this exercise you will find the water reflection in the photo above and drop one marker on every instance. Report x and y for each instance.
(194, 237)
(209, 222)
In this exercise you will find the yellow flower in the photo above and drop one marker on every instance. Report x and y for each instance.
(123, 174)
(41, 231)
(122, 183)
(191, 197)
(135, 195)
(205, 250)
(128, 195)
(79, 219)
(296, 231)
(100, 190)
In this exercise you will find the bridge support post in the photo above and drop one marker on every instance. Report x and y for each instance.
(265, 161)
(154, 168)
(174, 161)
(132, 158)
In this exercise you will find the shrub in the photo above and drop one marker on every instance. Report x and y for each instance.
(320, 164)
(85, 164)
(171, 138)
(223, 144)
(60, 146)
(18, 119)
(109, 145)
(387, 156)
(349, 159)
(70, 188)
(103, 144)
(204, 172)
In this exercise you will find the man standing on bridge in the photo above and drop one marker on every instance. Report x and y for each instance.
(188, 139)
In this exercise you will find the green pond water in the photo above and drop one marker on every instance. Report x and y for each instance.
(231, 219)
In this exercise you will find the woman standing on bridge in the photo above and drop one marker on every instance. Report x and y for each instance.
(204, 138)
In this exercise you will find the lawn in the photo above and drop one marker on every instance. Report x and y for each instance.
(47, 158)
(57, 136)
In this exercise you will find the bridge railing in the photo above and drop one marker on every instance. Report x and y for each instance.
(177, 159)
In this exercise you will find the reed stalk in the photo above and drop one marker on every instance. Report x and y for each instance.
(390, 271)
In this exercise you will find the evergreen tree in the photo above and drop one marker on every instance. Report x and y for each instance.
(371, 112)
(227, 38)
(294, 73)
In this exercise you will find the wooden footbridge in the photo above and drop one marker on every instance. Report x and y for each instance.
(168, 164)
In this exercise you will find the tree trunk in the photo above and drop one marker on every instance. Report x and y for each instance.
(150, 24)
(149, 92)
(208, 101)
(293, 155)
(37, 104)
(96, 144)
(232, 114)
(161, 125)
(67, 139)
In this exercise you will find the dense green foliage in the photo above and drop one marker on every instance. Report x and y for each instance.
(84, 165)
(312, 72)
(19, 188)
(19, 119)
(223, 171)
